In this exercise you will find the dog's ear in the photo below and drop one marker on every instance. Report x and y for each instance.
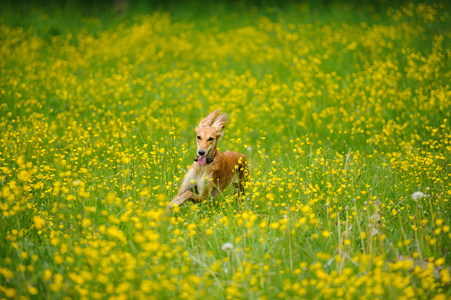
(219, 124)
(208, 120)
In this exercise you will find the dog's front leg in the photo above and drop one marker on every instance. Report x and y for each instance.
(189, 195)
(186, 186)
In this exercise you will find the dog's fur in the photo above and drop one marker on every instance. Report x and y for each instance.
(205, 180)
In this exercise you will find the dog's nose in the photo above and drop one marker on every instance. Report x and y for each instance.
(201, 152)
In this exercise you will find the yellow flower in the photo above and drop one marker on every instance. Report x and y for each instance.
(274, 225)
(47, 275)
(439, 261)
(270, 197)
(23, 175)
(85, 222)
(10, 292)
(175, 208)
(32, 290)
(192, 226)
(38, 222)
(325, 233)
(439, 297)
(58, 259)
(6, 273)
(161, 197)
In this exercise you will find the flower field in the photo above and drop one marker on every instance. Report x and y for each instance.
(343, 112)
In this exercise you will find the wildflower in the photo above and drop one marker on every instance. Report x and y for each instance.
(58, 259)
(417, 195)
(274, 225)
(161, 197)
(227, 247)
(375, 217)
(47, 275)
(10, 293)
(439, 261)
(85, 222)
(23, 175)
(325, 233)
(38, 222)
(32, 290)
(6, 273)
(441, 296)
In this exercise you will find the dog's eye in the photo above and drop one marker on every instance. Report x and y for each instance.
(210, 139)
(198, 137)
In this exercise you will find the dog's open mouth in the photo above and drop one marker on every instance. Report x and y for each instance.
(202, 160)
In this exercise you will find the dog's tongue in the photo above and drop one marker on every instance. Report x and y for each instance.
(202, 160)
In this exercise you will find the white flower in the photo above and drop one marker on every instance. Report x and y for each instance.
(417, 195)
(374, 231)
(227, 247)
(375, 217)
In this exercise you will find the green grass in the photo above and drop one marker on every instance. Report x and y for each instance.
(341, 108)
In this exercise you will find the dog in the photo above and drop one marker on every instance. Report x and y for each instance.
(212, 170)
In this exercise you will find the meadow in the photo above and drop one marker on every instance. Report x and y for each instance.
(342, 109)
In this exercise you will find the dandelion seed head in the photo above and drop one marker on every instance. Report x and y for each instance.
(375, 217)
(417, 195)
(227, 247)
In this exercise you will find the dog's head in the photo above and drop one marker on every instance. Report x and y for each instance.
(208, 133)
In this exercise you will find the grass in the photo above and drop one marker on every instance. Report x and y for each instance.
(342, 109)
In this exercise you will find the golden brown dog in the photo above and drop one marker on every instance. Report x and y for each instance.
(212, 170)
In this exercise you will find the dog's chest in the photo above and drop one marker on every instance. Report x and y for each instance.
(199, 177)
